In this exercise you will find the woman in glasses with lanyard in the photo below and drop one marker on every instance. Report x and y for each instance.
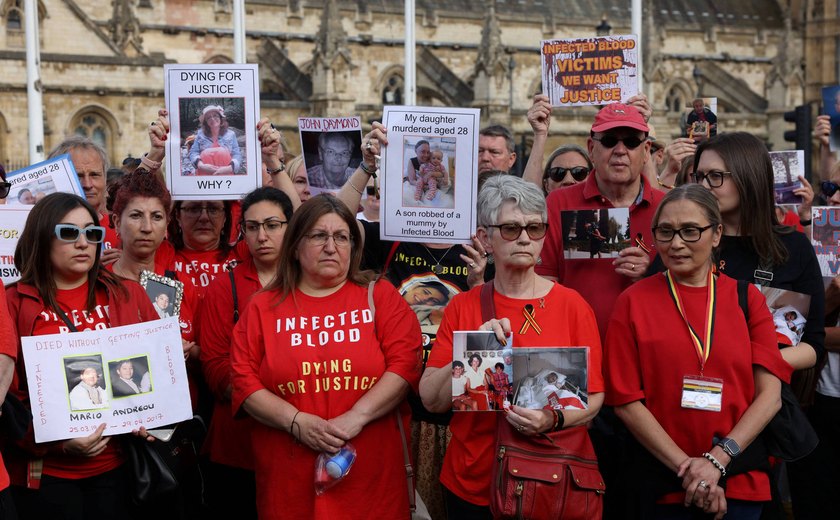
(64, 288)
(692, 379)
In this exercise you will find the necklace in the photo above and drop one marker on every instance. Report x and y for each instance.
(437, 269)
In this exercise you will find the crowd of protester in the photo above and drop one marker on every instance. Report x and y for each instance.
(262, 273)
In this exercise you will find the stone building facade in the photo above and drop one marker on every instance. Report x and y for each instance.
(102, 61)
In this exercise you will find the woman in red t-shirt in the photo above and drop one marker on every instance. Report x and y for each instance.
(230, 477)
(512, 227)
(64, 288)
(692, 379)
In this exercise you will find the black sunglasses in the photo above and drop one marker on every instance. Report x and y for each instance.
(829, 188)
(610, 141)
(558, 173)
(5, 187)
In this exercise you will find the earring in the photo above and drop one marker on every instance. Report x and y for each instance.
(490, 258)
(539, 260)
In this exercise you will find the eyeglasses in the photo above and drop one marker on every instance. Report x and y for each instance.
(829, 188)
(320, 239)
(713, 178)
(372, 191)
(195, 211)
(558, 173)
(511, 232)
(5, 187)
(71, 233)
(333, 154)
(271, 226)
(631, 142)
(687, 234)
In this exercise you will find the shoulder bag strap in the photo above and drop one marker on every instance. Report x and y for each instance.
(235, 299)
(66, 320)
(488, 307)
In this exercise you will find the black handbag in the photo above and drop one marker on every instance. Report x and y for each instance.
(160, 467)
(789, 435)
(15, 419)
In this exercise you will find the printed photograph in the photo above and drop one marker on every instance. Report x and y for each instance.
(86, 389)
(701, 120)
(831, 107)
(595, 233)
(429, 167)
(330, 157)
(165, 293)
(27, 194)
(482, 372)
(789, 310)
(551, 378)
(212, 136)
(787, 167)
(427, 296)
(130, 376)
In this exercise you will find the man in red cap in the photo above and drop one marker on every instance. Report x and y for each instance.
(619, 149)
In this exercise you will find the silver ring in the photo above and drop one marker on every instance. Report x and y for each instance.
(472, 266)
(486, 254)
(632, 267)
(702, 484)
(368, 145)
(519, 427)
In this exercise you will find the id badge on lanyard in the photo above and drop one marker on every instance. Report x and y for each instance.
(700, 392)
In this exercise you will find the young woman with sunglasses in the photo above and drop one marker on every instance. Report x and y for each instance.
(736, 168)
(265, 215)
(63, 288)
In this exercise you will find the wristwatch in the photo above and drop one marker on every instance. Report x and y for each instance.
(730, 447)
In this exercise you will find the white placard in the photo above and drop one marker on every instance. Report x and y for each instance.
(57, 365)
(331, 150)
(12, 222)
(590, 71)
(201, 166)
(33, 183)
(416, 210)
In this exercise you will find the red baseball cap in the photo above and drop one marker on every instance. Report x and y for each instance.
(619, 115)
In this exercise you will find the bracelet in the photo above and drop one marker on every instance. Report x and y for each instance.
(357, 190)
(711, 458)
(278, 170)
(662, 184)
(292, 426)
(367, 169)
(804, 223)
(559, 419)
(150, 164)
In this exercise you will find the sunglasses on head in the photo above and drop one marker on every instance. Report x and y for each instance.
(71, 233)
(631, 142)
(829, 188)
(558, 173)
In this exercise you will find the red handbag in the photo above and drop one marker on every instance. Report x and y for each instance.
(550, 476)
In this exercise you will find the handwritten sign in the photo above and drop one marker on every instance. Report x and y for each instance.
(590, 71)
(125, 377)
(430, 174)
(212, 152)
(331, 150)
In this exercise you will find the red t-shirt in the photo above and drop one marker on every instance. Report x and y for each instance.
(649, 351)
(567, 320)
(112, 240)
(196, 268)
(8, 347)
(322, 354)
(595, 279)
(74, 304)
(228, 439)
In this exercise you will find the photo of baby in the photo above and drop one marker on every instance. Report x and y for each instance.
(428, 172)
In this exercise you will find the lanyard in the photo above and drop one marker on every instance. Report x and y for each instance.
(703, 348)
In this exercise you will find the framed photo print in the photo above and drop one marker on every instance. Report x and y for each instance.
(164, 293)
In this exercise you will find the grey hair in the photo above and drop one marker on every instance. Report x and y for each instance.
(79, 141)
(500, 131)
(502, 188)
